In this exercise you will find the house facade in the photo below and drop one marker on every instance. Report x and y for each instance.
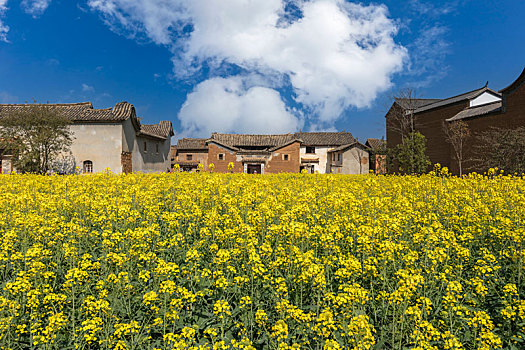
(265, 154)
(481, 109)
(111, 138)
(349, 159)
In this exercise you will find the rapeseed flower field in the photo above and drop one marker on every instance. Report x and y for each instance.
(234, 261)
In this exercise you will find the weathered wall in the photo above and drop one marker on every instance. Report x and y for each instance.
(6, 165)
(145, 160)
(277, 164)
(221, 166)
(99, 143)
(430, 124)
(149, 160)
(323, 167)
(196, 155)
(513, 117)
(355, 161)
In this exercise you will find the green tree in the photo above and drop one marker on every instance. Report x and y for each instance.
(410, 154)
(36, 135)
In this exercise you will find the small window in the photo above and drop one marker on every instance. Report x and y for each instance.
(310, 149)
(338, 157)
(221, 156)
(189, 156)
(286, 156)
(157, 148)
(145, 146)
(88, 167)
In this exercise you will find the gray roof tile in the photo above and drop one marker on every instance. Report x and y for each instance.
(477, 111)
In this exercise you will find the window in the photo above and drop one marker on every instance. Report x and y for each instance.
(286, 156)
(189, 156)
(338, 157)
(157, 148)
(145, 146)
(310, 149)
(88, 167)
(221, 156)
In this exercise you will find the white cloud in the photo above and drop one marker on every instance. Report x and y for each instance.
(35, 7)
(87, 88)
(429, 52)
(334, 54)
(4, 29)
(233, 105)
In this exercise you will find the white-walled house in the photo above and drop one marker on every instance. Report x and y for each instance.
(315, 148)
(349, 159)
(111, 138)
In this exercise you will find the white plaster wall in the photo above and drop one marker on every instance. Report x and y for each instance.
(145, 161)
(99, 143)
(351, 159)
(151, 161)
(483, 99)
(322, 153)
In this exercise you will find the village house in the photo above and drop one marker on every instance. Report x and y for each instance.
(271, 154)
(111, 138)
(189, 154)
(481, 109)
(349, 159)
(378, 158)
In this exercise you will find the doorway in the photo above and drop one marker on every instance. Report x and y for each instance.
(253, 168)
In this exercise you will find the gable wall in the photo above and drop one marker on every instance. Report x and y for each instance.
(355, 161)
(221, 166)
(277, 164)
(484, 99)
(513, 117)
(99, 143)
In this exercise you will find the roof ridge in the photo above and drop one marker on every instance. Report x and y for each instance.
(465, 93)
(47, 104)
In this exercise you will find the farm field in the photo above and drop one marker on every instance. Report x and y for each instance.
(234, 261)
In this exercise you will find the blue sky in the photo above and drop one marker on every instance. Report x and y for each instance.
(256, 66)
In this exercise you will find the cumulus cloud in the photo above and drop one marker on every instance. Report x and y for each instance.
(234, 105)
(4, 29)
(332, 54)
(35, 7)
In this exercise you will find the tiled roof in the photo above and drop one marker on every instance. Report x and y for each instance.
(325, 138)
(71, 110)
(163, 130)
(375, 143)
(80, 112)
(190, 143)
(240, 140)
(463, 97)
(477, 111)
(415, 103)
(85, 113)
(275, 141)
(343, 147)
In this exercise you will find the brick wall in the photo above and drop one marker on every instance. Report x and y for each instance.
(196, 156)
(277, 164)
(513, 117)
(221, 166)
(126, 160)
(430, 124)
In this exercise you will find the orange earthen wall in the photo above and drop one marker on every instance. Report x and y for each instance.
(278, 165)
